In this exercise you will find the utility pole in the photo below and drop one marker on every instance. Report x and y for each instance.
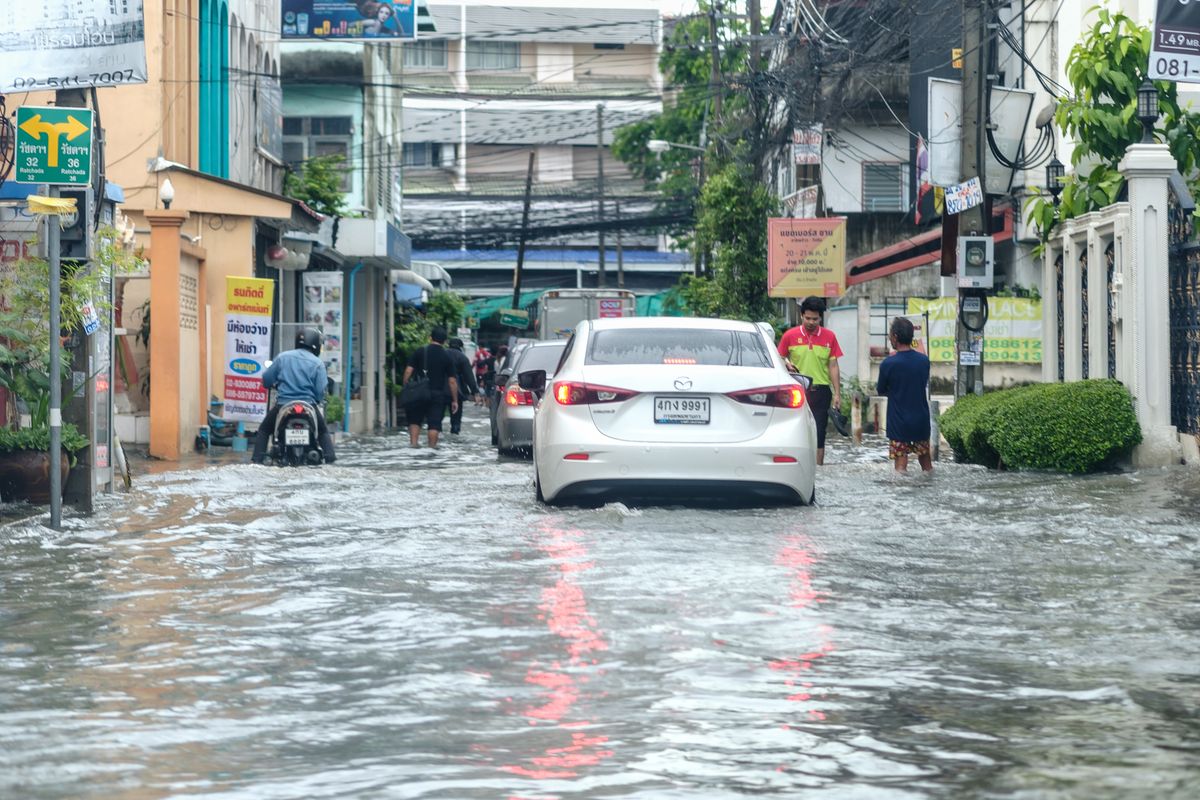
(600, 277)
(714, 78)
(620, 247)
(524, 234)
(972, 303)
(54, 243)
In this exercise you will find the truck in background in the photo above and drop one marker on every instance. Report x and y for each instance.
(560, 310)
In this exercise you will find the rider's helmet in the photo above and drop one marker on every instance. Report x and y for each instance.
(309, 339)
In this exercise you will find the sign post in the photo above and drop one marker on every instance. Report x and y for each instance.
(54, 145)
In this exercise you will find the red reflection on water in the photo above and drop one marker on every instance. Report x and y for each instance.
(564, 610)
(797, 556)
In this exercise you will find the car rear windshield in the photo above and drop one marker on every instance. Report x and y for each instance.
(678, 346)
(545, 358)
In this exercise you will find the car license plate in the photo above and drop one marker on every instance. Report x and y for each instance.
(293, 436)
(681, 410)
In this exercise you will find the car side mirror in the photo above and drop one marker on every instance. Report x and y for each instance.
(803, 380)
(533, 380)
(329, 386)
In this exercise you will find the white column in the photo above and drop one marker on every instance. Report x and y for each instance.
(1049, 315)
(1146, 168)
(864, 340)
(1072, 313)
(1097, 330)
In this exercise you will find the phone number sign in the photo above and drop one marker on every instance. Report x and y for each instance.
(54, 145)
(1175, 49)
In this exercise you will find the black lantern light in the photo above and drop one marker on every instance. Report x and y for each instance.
(1147, 109)
(1054, 175)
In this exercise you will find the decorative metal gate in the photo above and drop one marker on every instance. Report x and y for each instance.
(1185, 311)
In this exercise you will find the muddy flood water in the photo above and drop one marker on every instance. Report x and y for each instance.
(411, 624)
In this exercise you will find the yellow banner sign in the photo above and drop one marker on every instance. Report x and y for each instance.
(806, 257)
(249, 296)
(1013, 334)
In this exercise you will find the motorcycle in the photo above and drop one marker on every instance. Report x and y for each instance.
(295, 440)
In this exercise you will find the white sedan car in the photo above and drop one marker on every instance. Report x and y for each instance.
(671, 408)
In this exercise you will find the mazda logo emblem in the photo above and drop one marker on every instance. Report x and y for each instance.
(683, 384)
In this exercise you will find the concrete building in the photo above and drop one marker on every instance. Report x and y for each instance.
(498, 83)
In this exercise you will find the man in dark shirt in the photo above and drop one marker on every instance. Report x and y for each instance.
(904, 380)
(467, 388)
(433, 361)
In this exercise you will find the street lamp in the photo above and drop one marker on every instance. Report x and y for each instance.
(1147, 109)
(1054, 175)
(166, 193)
(662, 146)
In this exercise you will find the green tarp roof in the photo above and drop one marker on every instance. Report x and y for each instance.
(650, 305)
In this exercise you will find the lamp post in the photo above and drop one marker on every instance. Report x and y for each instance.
(1147, 109)
(166, 193)
(662, 146)
(1054, 175)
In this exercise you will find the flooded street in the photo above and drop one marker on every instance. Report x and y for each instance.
(411, 624)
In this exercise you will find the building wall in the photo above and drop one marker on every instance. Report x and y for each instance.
(492, 159)
(555, 62)
(230, 254)
(635, 61)
(333, 101)
(843, 158)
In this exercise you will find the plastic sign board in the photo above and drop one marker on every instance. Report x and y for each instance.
(1013, 334)
(1175, 47)
(52, 44)
(248, 304)
(54, 145)
(806, 257)
(514, 318)
(342, 20)
(963, 196)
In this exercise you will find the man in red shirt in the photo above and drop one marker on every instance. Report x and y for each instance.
(814, 351)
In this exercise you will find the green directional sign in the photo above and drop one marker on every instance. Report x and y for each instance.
(514, 318)
(54, 145)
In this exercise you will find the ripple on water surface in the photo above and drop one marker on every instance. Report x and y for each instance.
(409, 623)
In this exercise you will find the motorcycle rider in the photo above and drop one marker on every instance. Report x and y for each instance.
(298, 375)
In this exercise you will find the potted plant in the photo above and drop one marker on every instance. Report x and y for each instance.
(25, 361)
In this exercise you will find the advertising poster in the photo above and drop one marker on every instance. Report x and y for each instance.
(49, 44)
(247, 346)
(323, 310)
(1175, 48)
(1013, 333)
(806, 257)
(962, 196)
(806, 145)
(349, 19)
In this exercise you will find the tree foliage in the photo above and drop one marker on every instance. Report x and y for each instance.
(1105, 69)
(731, 223)
(318, 184)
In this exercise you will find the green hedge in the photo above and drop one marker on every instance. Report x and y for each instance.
(1065, 427)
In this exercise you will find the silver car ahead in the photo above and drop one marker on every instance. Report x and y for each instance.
(514, 409)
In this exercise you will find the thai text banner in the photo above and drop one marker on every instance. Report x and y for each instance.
(248, 304)
(806, 257)
(1013, 333)
(100, 43)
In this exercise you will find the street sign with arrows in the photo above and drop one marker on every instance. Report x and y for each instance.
(54, 145)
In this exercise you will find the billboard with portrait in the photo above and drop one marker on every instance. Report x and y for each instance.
(343, 20)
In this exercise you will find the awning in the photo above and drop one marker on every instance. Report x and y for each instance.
(482, 309)
(915, 251)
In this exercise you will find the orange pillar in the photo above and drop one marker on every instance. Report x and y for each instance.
(165, 247)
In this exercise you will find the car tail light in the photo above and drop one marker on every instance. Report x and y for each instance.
(788, 396)
(297, 409)
(784, 460)
(572, 393)
(575, 457)
(518, 397)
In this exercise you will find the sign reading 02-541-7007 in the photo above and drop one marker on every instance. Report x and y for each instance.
(54, 145)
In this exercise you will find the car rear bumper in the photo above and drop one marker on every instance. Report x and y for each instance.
(746, 471)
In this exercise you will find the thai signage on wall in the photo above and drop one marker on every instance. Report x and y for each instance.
(806, 257)
(323, 311)
(99, 43)
(247, 346)
(349, 19)
(1013, 334)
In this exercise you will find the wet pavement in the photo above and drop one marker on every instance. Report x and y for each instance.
(410, 623)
